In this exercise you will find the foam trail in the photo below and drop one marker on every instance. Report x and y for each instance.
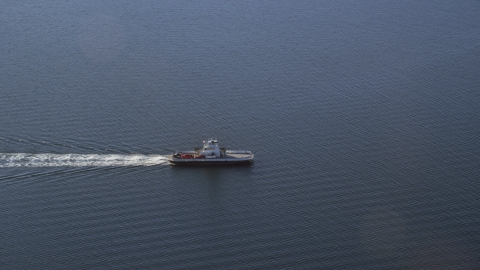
(78, 160)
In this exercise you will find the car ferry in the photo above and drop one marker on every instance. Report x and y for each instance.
(210, 154)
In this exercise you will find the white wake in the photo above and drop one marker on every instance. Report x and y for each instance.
(78, 160)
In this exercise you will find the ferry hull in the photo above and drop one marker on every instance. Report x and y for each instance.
(206, 162)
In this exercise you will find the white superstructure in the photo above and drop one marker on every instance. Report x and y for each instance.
(210, 149)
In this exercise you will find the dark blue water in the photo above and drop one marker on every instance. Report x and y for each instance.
(363, 117)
